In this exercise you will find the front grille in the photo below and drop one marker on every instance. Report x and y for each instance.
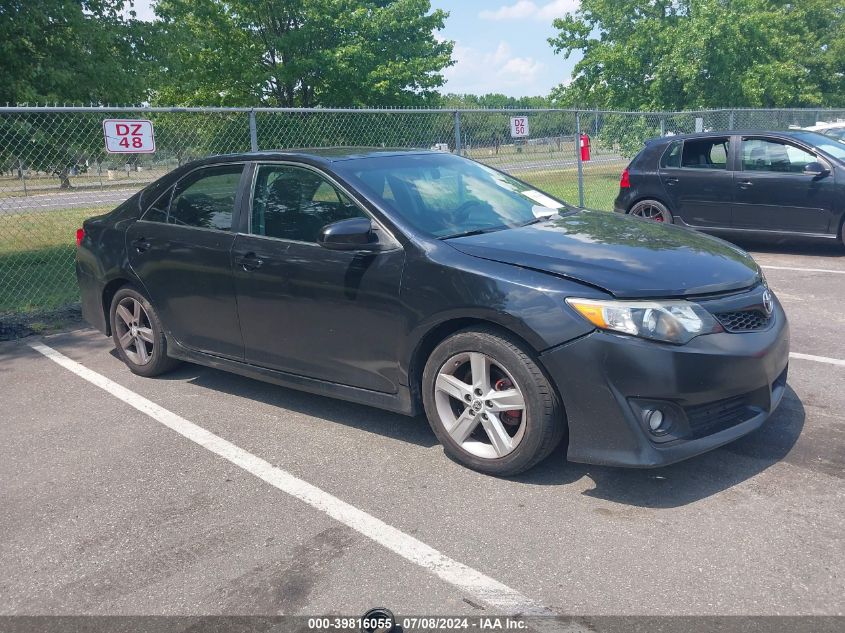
(744, 321)
(713, 417)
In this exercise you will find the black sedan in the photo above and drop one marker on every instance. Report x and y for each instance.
(420, 281)
(764, 183)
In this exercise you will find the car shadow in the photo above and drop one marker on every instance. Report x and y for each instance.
(791, 246)
(668, 487)
(370, 419)
(688, 481)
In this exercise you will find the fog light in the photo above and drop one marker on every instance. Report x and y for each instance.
(655, 420)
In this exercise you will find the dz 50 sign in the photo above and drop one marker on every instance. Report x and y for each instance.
(128, 136)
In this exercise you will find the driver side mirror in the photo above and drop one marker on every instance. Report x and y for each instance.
(816, 169)
(354, 234)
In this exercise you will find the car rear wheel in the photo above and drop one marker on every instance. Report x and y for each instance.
(490, 404)
(652, 210)
(138, 334)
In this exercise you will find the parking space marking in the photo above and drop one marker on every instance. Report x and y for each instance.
(818, 359)
(466, 579)
(805, 270)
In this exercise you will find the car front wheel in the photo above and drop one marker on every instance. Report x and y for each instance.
(138, 334)
(490, 404)
(652, 210)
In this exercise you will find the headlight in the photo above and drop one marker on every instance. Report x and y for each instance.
(670, 321)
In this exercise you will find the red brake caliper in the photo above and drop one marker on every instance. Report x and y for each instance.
(508, 417)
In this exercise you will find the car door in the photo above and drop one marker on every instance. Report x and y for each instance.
(772, 192)
(310, 311)
(181, 251)
(698, 182)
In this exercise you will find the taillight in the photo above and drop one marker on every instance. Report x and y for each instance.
(80, 233)
(625, 181)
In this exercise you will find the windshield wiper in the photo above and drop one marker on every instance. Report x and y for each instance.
(473, 232)
(542, 218)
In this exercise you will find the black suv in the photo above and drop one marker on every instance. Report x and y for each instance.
(740, 182)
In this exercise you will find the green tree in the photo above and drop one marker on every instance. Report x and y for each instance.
(305, 53)
(69, 50)
(493, 100)
(685, 54)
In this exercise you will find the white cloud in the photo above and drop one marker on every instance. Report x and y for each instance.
(557, 9)
(502, 54)
(524, 67)
(523, 9)
(516, 11)
(493, 70)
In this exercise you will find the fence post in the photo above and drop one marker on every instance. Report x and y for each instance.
(662, 126)
(458, 132)
(731, 120)
(253, 132)
(23, 175)
(578, 158)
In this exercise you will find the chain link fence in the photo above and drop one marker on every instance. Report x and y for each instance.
(55, 171)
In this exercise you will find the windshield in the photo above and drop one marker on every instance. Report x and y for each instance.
(837, 133)
(824, 143)
(444, 196)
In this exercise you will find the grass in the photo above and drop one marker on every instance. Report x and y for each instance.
(37, 250)
(13, 187)
(601, 183)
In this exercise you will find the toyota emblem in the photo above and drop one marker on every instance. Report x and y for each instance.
(768, 302)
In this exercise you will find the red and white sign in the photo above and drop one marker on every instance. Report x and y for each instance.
(519, 127)
(129, 136)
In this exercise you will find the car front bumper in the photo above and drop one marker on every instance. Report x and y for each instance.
(714, 390)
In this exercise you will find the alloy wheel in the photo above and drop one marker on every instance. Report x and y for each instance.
(649, 211)
(134, 331)
(480, 405)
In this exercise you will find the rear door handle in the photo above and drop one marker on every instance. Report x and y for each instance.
(249, 262)
(745, 184)
(671, 180)
(141, 244)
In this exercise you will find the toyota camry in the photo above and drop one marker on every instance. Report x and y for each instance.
(423, 282)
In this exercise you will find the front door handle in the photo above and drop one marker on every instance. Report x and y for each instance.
(745, 184)
(142, 244)
(249, 262)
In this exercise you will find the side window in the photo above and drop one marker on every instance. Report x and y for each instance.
(294, 203)
(770, 155)
(706, 153)
(206, 198)
(157, 211)
(672, 155)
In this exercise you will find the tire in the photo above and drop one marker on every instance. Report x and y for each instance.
(143, 347)
(842, 232)
(472, 427)
(652, 210)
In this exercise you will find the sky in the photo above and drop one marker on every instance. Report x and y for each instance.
(500, 45)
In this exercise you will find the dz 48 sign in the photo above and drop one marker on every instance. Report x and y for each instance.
(128, 136)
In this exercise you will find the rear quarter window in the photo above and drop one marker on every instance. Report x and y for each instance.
(706, 153)
(672, 155)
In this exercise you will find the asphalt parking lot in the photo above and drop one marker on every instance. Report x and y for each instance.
(119, 501)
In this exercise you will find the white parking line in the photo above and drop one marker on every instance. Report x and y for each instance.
(818, 359)
(805, 270)
(500, 596)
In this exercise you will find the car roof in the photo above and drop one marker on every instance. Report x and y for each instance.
(325, 155)
(749, 132)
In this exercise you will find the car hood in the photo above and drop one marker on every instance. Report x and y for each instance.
(625, 256)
